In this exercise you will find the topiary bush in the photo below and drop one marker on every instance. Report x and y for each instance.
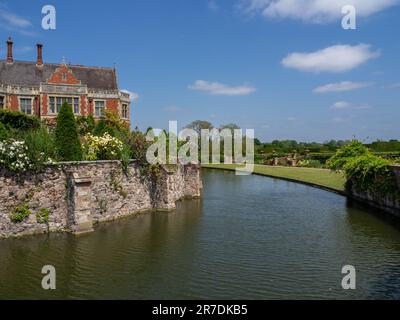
(68, 145)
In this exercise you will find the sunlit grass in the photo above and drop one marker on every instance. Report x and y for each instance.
(320, 177)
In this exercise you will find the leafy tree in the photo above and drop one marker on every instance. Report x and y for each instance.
(68, 145)
(199, 125)
(230, 126)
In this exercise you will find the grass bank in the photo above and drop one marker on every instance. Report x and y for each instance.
(315, 177)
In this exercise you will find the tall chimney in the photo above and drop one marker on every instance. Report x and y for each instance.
(39, 54)
(9, 50)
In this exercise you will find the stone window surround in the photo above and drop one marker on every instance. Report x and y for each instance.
(55, 96)
(25, 98)
(94, 107)
(125, 111)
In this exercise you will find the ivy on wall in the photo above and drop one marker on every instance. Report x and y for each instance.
(365, 172)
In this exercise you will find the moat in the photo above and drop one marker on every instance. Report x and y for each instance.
(247, 238)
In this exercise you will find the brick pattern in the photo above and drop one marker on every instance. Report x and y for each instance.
(63, 75)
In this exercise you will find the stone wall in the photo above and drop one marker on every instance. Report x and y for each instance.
(78, 195)
(388, 204)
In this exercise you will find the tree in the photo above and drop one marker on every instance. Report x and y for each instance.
(68, 145)
(231, 126)
(199, 125)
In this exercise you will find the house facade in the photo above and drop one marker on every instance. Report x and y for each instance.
(40, 89)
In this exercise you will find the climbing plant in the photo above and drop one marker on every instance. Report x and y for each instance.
(365, 172)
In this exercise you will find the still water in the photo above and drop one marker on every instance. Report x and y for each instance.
(248, 238)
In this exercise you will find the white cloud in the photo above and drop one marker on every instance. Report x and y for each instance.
(339, 58)
(134, 96)
(342, 86)
(14, 20)
(314, 11)
(348, 105)
(292, 119)
(216, 88)
(395, 86)
(212, 5)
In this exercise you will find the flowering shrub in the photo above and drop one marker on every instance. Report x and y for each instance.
(104, 147)
(14, 156)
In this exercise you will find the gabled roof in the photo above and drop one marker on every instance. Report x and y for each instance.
(21, 73)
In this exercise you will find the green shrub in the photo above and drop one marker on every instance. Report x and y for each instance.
(310, 163)
(67, 142)
(20, 213)
(4, 133)
(40, 145)
(102, 128)
(105, 147)
(346, 153)
(14, 156)
(365, 172)
(18, 120)
(85, 124)
(42, 216)
(371, 173)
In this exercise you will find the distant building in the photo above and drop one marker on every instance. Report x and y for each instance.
(40, 89)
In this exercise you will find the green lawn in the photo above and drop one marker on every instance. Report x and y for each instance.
(319, 177)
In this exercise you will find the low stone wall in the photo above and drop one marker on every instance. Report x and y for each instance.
(78, 195)
(387, 204)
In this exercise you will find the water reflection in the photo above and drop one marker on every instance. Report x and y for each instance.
(249, 238)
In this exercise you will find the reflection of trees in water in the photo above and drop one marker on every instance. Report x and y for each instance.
(375, 242)
(372, 220)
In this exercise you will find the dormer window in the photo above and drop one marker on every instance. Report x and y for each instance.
(64, 77)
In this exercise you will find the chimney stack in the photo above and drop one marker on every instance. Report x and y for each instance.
(40, 54)
(9, 50)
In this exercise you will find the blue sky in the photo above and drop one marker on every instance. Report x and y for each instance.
(289, 72)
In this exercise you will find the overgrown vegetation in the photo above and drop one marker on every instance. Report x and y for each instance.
(365, 172)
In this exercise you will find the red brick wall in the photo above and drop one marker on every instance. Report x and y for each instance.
(45, 105)
(83, 104)
(113, 104)
(90, 107)
(14, 103)
(57, 76)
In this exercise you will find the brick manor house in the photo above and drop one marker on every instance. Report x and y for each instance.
(40, 89)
